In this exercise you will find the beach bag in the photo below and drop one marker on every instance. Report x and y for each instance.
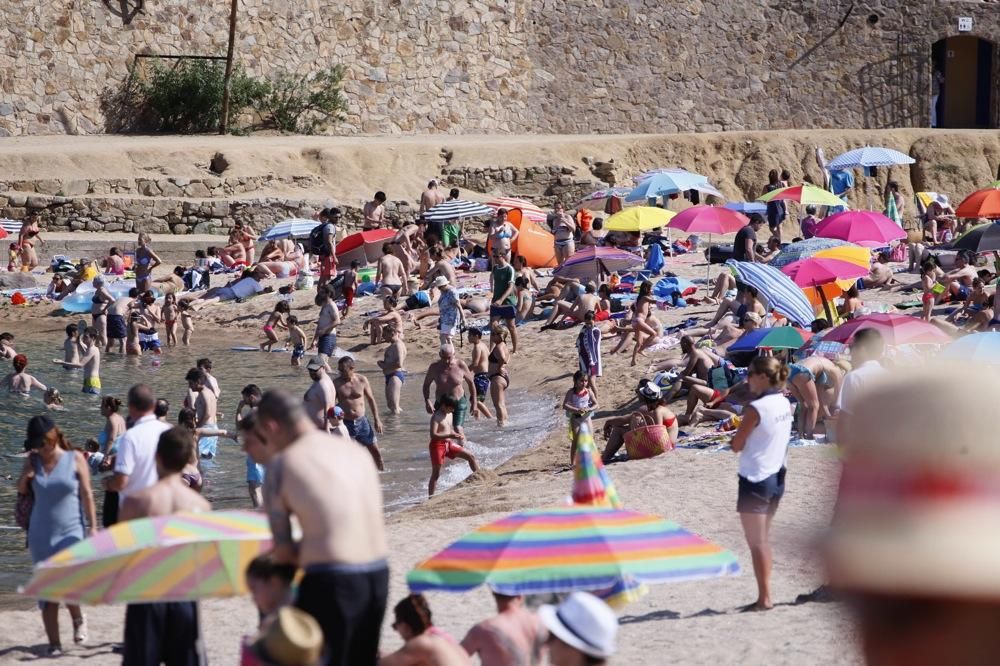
(22, 509)
(899, 252)
(647, 441)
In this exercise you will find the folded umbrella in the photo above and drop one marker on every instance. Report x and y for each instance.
(896, 329)
(639, 218)
(805, 195)
(776, 289)
(984, 203)
(295, 227)
(861, 227)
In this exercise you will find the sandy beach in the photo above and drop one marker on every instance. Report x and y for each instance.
(693, 622)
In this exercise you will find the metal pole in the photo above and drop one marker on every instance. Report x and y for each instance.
(224, 123)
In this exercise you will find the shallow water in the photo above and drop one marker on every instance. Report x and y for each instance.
(403, 445)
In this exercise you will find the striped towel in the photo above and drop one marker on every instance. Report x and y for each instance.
(12, 227)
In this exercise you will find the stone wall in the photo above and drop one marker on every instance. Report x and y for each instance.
(526, 66)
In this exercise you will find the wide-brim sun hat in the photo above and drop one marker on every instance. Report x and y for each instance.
(293, 638)
(583, 622)
(918, 512)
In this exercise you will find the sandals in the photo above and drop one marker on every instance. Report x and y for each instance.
(80, 630)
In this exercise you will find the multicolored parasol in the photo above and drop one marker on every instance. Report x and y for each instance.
(639, 218)
(822, 247)
(592, 262)
(775, 337)
(570, 548)
(805, 195)
(592, 486)
(182, 557)
(528, 209)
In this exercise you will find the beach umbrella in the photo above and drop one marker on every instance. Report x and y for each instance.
(813, 273)
(803, 194)
(592, 486)
(869, 156)
(639, 218)
(977, 348)
(528, 209)
(598, 199)
(709, 220)
(10, 227)
(746, 207)
(776, 289)
(861, 227)
(593, 263)
(180, 557)
(896, 329)
(663, 182)
(680, 176)
(822, 247)
(774, 337)
(3, 233)
(457, 209)
(365, 247)
(296, 227)
(984, 203)
(979, 239)
(568, 548)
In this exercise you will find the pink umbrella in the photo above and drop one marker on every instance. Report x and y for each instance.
(817, 271)
(863, 227)
(895, 329)
(708, 220)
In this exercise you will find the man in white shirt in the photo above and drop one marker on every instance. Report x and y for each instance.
(866, 352)
(135, 465)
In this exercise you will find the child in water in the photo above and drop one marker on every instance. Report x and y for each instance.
(445, 440)
(171, 311)
(187, 321)
(275, 320)
(580, 404)
(297, 339)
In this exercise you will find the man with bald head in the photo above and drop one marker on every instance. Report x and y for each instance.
(331, 486)
(451, 377)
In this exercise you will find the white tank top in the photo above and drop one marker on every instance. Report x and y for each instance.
(767, 445)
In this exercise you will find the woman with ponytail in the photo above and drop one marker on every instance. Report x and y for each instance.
(762, 442)
(425, 643)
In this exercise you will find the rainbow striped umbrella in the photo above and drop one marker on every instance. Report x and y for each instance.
(182, 557)
(591, 483)
(568, 548)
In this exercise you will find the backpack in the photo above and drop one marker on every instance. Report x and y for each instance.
(316, 243)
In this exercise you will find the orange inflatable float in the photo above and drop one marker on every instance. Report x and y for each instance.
(533, 243)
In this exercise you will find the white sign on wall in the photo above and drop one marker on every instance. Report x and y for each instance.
(965, 24)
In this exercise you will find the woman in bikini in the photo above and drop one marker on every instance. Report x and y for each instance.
(563, 227)
(501, 234)
(852, 302)
(499, 378)
(246, 238)
(145, 261)
(815, 383)
(99, 304)
(643, 320)
(275, 320)
(30, 233)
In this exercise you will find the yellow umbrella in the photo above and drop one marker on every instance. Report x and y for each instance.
(639, 218)
(854, 254)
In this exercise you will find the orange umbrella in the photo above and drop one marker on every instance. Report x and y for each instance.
(984, 203)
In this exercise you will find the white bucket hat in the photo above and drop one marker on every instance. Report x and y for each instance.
(583, 622)
(440, 281)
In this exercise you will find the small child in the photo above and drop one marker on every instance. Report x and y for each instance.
(132, 347)
(270, 585)
(297, 339)
(335, 421)
(350, 285)
(13, 257)
(171, 311)
(92, 454)
(7, 346)
(53, 400)
(275, 320)
(579, 404)
(443, 442)
(187, 321)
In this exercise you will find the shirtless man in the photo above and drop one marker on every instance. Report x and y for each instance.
(441, 267)
(959, 280)
(430, 197)
(147, 624)
(450, 376)
(377, 326)
(321, 396)
(205, 405)
(172, 283)
(325, 337)
(881, 273)
(392, 367)
(374, 212)
(480, 372)
(7, 350)
(353, 391)
(118, 321)
(584, 303)
(390, 275)
(19, 381)
(90, 361)
(343, 548)
(72, 345)
(513, 636)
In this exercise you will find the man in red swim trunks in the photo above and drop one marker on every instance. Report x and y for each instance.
(443, 441)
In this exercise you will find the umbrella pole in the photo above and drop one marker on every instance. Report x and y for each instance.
(708, 267)
(826, 304)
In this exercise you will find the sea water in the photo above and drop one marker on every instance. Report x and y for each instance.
(403, 444)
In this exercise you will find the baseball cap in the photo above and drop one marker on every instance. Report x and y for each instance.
(315, 363)
(583, 622)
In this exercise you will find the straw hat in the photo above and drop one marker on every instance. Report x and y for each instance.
(293, 638)
(918, 512)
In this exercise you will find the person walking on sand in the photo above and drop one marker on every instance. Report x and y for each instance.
(165, 632)
(321, 396)
(425, 644)
(325, 337)
(392, 367)
(26, 238)
(762, 442)
(58, 478)
(583, 631)
(353, 392)
(343, 548)
(450, 376)
(90, 361)
(446, 441)
(326, 252)
(480, 372)
(512, 636)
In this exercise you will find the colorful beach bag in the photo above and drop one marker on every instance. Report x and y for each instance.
(647, 441)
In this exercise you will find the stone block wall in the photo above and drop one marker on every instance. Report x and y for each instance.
(524, 66)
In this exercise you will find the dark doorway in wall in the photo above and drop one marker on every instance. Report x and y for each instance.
(964, 83)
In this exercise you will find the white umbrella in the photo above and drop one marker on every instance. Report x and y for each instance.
(869, 156)
(295, 227)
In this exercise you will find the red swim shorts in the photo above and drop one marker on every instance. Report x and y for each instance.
(348, 296)
(327, 267)
(443, 448)
(602, 315)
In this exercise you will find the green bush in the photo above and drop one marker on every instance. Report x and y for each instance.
(305, 103)
(187, 96)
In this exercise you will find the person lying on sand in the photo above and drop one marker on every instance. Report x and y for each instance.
(718, 404)
(881, 275)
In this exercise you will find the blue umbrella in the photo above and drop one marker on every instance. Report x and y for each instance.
(668, 182)
(869, 156)
(295, 227)
(747, 207)
(978, 347)
(777, 289)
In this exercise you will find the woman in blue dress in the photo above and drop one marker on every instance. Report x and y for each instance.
(59, 479)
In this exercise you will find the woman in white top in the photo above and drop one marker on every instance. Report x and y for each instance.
(762, 442)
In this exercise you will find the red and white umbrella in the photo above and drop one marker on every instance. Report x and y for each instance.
(528, 209)
(364, 247)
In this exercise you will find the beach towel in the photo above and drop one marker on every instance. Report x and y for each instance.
(890, 209)
(655, 262)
